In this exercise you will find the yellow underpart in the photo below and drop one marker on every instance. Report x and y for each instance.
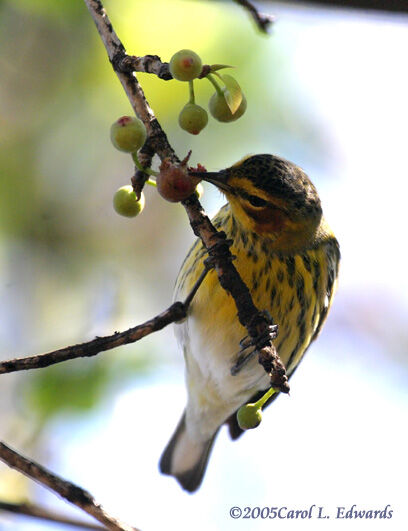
(294, 296)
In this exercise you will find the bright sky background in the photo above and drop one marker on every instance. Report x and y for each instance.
(341, 437)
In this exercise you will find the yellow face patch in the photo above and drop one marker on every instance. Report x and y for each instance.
(270, 218)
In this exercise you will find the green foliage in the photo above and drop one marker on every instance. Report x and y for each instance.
(70, 387)
(44, 8)
(233, 94)
(220, 109)
(79, 386)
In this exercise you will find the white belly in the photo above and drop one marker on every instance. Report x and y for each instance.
(210, 339)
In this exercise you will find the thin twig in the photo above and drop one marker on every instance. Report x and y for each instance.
(366, 5)
(263, 21)
(149, 64)
(35, 511)
(71, 492)
(83, 350)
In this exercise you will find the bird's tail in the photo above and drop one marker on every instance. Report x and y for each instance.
(185, 458)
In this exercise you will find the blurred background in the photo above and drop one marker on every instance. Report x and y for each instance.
(328, 90)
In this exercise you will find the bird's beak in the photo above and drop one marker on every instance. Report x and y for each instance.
(218, 178)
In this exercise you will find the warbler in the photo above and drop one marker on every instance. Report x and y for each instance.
(288, 257)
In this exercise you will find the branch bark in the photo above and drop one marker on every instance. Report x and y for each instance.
(367, 5)
(35, 511)
(85, 350)
(67, 490)
(262, 21)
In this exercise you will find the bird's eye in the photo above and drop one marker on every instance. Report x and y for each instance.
(257, 201)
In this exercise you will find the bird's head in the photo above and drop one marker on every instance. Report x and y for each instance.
(271, 197)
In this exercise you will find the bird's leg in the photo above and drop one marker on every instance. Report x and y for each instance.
(194, 289)
(245, 343)
(182, 307)
(243, 359)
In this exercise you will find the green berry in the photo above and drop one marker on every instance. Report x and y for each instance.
(125, 202)
(220, 111)
(128, 134)
(199, 191)
(193, 118)
(249, 416)
(185, 65)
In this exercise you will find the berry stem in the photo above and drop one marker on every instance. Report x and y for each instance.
(210, 78)
(191, 91)
(151, 182)
(139, 166)
(219, 76)
(261, 402)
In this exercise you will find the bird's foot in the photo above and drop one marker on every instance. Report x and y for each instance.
(265, 331)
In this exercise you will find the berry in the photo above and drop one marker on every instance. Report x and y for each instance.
(220, 110)
(193, 118)
(128, 134)
(125, 202)
(185, 65)
(249, 416)
(199, 191)
(174, 183)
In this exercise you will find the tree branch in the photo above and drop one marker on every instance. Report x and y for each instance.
(368, 5)
(262, 21)
(35, 511)
(174, 313)
(149, 64)
(71, 492)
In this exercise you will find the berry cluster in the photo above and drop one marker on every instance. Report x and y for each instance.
(227, 104)
(128, 134)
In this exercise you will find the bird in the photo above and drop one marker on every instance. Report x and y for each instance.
(289, 258)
